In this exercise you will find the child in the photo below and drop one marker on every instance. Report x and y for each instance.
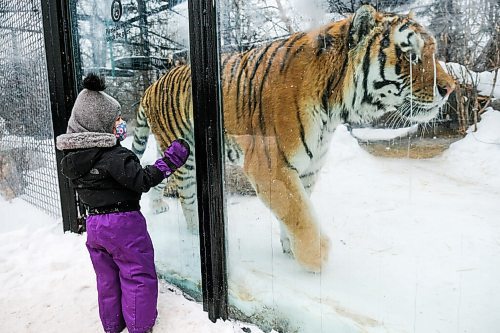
(109, 181)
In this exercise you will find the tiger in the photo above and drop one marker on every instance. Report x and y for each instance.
(283, 100)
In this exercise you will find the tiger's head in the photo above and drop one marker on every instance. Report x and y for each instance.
(391, 66)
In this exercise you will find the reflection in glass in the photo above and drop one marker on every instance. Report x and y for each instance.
(335, 130)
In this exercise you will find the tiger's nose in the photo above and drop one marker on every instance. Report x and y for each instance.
(446, 91)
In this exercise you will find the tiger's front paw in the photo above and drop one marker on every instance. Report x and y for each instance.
(312, 252)
(158, 206)
(192, 227)
(286, 245)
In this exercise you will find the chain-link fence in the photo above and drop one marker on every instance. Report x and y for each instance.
(27, 159)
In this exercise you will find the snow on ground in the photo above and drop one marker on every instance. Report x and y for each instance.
(375, 134)
(415, 248)
(414, 243)
(483, 80)
(47, 283)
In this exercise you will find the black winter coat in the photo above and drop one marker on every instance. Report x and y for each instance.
(107, 176)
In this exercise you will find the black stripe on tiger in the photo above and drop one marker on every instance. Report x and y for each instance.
(301, 130)
(178, 106)
(367, 97)
(289, 48)
(187, 99)
(295, 53)
(189, 166)
(270, 62)
(384, 44)
(241, 70)
(309, 174)
(252, 98)
(140, 140)
(405, 26)
(234, 65)
(175, 110)
(325, 41)
(258, 98)
(283, 155)
(188, 198)
(186, 185)
(168, 110)
(355, 93)
(225, 59)
(328, 90)
(186, 88)
(160, 106)
(382, 58)
(158, 90)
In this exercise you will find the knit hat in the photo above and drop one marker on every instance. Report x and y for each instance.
(94, 110)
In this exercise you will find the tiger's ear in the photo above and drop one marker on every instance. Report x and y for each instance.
(362, 23)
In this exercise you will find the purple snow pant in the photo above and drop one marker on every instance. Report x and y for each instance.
(123, 258)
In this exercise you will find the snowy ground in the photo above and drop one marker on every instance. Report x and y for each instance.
(47, 283)
(415, 248)
(415, 243)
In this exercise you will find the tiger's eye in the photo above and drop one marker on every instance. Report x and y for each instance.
(411, 56)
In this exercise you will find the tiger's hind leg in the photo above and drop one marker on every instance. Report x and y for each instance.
(280, 188)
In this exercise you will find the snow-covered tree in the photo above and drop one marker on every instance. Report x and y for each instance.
(467, 31)
(349, 6)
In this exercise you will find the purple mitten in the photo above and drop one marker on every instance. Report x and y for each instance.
(174, 157)
(163, 167)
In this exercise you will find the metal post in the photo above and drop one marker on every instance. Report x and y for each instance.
(58, 46)
(207, 101)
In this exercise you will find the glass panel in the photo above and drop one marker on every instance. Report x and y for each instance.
(135, 44)
(358, 200)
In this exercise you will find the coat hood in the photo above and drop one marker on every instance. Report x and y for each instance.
(85, 140)
(78, 163)
(82, 151)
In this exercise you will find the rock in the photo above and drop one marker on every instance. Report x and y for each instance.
(11, 178)
(495, 104)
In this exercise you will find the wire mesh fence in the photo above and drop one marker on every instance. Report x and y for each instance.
(27, 158)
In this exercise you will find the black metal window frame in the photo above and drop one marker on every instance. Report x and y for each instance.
(62, 87)
(207, 98)
(208, 122)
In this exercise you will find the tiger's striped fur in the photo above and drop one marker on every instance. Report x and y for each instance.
(282, 102)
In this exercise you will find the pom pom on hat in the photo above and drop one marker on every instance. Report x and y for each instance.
(94, 82)
(94, 110)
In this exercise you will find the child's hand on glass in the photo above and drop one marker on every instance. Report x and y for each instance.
(174, 157)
